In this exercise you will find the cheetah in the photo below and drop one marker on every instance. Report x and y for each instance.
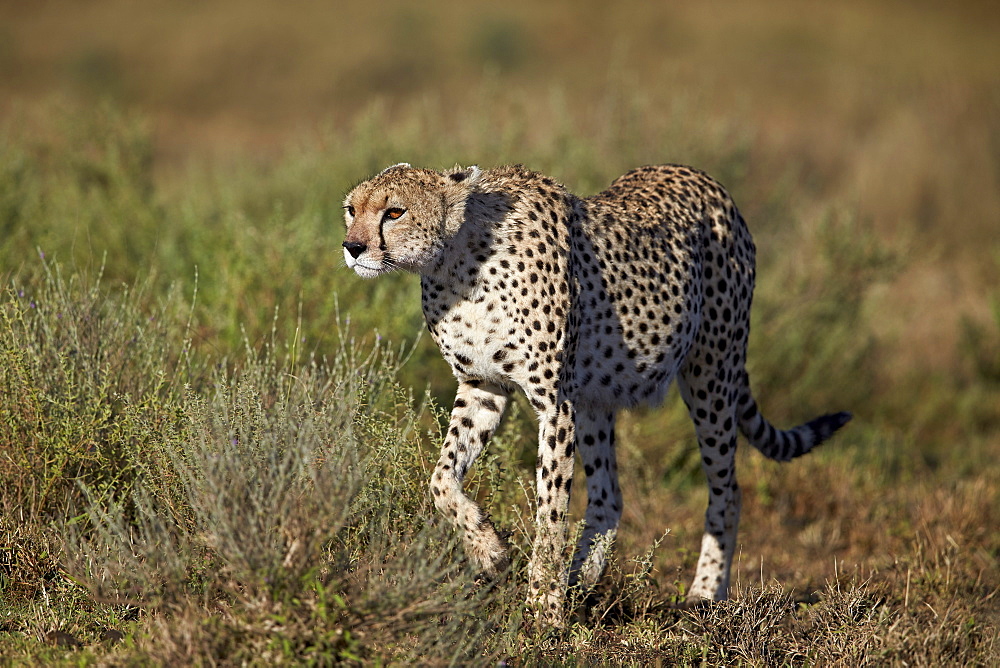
(588, 306)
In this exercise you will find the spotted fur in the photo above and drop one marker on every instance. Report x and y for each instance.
(587, 305)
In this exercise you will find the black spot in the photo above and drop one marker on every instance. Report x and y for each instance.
(489, 404)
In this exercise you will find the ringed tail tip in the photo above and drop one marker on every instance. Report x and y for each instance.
(824, 427)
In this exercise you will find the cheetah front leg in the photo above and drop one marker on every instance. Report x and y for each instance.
(475, 416)
(547, 573)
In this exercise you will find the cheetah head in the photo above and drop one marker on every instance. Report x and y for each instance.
(401, 218)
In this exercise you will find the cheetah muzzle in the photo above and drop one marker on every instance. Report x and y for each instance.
(587, 305)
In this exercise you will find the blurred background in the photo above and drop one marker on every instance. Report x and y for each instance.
(888, 107)
(204, 148)
(159, 137)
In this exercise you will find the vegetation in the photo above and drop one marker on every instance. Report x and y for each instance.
(215, 440)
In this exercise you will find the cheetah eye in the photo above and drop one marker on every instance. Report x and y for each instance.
(394, 213)
(350, 210)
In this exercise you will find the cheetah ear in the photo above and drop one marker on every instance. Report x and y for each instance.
(456, 187)
(469, 175)
(398, 165)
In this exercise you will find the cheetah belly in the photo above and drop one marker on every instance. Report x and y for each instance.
(629, 359)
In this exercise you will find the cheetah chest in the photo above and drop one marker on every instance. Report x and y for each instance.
(505, 326)
(474, 333)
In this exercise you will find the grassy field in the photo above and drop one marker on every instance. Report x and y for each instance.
(215, 439)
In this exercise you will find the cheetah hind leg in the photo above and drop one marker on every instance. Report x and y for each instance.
(717, 413)
(714, 417)
(595, 438)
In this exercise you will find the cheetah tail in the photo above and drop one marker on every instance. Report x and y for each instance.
(783, 445)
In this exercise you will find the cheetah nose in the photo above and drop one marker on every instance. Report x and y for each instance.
(355, 248)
